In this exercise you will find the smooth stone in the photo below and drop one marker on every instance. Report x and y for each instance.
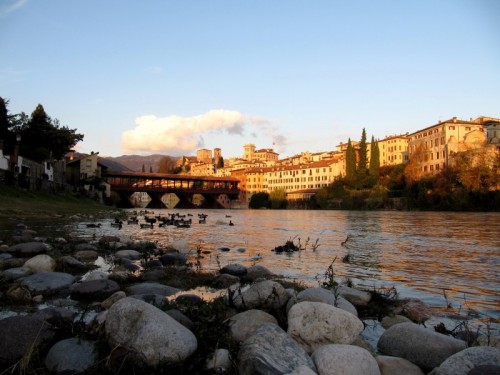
(314, 324)
(266, 294)
(157, 300)
(388, 321)
(16, 273)
(189, 300)
(301, 370)
(73, 263)
(355, 296)
(108, 302)
(463, 362)
(234, 269)
(173, 259)
(86, 255)
(258, 272)
(19, 334)
(395, 365)
(423, 347)
(96, 275)
(181, 318)
(48, 282)
(225, 281)
(152, 334)
(73, 355)
(29, 248)
(105, 240)
(418, 311)
(41, 263)
(325, 296)
(271, 351)
(94, 290)
(152, 288)
(129, 254)
(338, 359)
(4, 256)
(243, 325)
(18, 293)
(84, 247)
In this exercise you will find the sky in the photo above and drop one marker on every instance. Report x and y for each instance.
(171, 77)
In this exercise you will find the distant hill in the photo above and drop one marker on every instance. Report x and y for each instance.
(135, 162)
(113, 165)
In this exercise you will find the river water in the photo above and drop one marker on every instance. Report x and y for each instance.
(442, 258)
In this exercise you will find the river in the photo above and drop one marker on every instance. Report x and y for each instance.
(442, 258)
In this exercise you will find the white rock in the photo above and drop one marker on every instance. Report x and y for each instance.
(41, 263)
(336, 359)
(243, 325)
(395, 365)
(220, 361)
(264, 294)
(152, 333)
(314, 324)
(462, 362)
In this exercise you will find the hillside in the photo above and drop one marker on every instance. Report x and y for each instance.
(135, 162)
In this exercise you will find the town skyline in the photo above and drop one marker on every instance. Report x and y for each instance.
(168, 77)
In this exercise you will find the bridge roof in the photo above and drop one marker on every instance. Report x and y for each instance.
(157, 176)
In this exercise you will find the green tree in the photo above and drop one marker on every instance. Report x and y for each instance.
(143, 168)
(6, 123)
(43, 138)
(278, 198)
(350, 161)
(362, 169)
(150, 169)
(259, 200)
(374, 158)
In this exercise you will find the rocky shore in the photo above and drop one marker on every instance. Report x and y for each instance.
(150, 313)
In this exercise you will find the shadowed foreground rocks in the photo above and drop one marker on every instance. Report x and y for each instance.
(61, 315)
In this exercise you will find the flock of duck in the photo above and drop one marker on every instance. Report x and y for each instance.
(175, 219)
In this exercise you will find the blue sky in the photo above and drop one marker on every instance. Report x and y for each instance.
(170, 77)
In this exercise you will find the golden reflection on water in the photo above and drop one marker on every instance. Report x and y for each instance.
(420, 253)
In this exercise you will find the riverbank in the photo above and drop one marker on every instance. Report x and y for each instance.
(20, 204)
(113, 306)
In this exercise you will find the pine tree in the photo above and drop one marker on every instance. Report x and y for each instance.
(374, 158)
(220, 162)
(350, 161)
(143, 168)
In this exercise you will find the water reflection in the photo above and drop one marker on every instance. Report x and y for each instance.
(421, 253)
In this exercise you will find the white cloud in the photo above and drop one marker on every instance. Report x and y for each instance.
(178, 135)
(11, 6)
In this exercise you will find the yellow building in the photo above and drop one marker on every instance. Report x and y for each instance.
(204, 156)
(393, 150)
(432, 147)
(265, 154)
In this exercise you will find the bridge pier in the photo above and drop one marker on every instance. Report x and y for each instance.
(124, 201)
(156, 201)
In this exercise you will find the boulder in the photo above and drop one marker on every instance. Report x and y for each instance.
(150, 333)
(16, 273)
(322, 295)
(266, 294)
(388, 321)
(29, 248)
(314, 324)
(257, 272)
(423, 347)
(73, 355)
(467, 360)
(86, 255)
(225, 281)
(301, 370)
(85, 247)
(96, 275)
(415, 309)
(68, 261)
(338, 359)
(94, 290)
(243, 325)
(234, 269)
(128, 254)
(21, 333)
(152, 288)
(395, 365)
(181, 318)
(47, 283)
(108, 302)
(41, 263)
(271, 351)
(173, 259)
(355, 296)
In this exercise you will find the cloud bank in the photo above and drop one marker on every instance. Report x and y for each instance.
(180, 135)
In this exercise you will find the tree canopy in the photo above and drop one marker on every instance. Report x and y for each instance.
(42, 138)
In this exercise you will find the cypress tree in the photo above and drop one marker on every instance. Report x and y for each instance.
(362, 169)
(350, 161)
(374, 158)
